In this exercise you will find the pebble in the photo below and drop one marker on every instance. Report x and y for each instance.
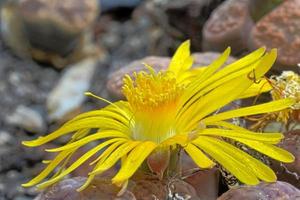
(5, 138)
(278, 29)
(28, 119)
(266, 191)
(290, 172)
(204, 181)
(99, 189)
(67, 96)
(228, 25)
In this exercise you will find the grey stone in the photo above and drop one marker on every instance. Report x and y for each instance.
(68, 95)
(27, 118)
(228, 25)
(266, 191)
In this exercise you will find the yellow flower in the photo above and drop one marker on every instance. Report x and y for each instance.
(287, 85)
(178, 107)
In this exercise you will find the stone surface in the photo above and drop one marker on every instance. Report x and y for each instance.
(49, 31)
(258, 9)
(278, 29)
(28, 119)
(204, 181)
(193, 14)
(68, 95)
(228, 25)
(99, 189)
(273, 191)
(290, 172)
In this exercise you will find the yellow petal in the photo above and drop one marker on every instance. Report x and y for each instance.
(176, 139)
(259, 169)
(212, 101)
(115, 156)
(50, 167)
(214, 66)
(257, 88)
(200, 104)
(236, 69)
(228, 160)
(86, 123)
(182, 59)
(133, 161)
(269, 150)
(77, 163)
(198, 156)
(90, 138)
(264, 137)
(272, 106)
(106, 153)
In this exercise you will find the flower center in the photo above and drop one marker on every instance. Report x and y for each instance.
(153, 98)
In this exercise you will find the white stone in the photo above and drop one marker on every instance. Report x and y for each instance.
(68, 94)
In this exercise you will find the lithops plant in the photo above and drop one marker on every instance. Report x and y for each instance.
(57, 32)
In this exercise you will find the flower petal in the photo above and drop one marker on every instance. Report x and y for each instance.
(198, 156)
(90, 138)
(259, 169)
(229, 91)
(50, 167)
(272, 106)
(133, 161)
(111, 159)
(269, 150)
(182, 59)
(229, 161)
(272, 138)
(79, 162)
(257, 88)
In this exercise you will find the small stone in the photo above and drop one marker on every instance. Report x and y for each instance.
(99, 189)
(178, 189)
(28, 119)
(49, 31)
(66, 98)
(115, 80)
(5, 138)
(193, 14)
(228, 25)
(258, 9)
(204, 181)
(266, 191)
(278, 29)
(290, 172)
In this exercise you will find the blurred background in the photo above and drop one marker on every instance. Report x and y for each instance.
(52, 51)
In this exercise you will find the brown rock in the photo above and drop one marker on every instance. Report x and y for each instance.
(229, 25)
(49, 31)
(147, 187)
(290, 172)
(192, 13)
(115, 80)
(205, 182)
(99, 189)
(273, 191)
(279, 29)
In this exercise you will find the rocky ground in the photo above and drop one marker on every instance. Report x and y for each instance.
(35, 98)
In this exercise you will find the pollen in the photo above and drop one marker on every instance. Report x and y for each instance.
(153, 98)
